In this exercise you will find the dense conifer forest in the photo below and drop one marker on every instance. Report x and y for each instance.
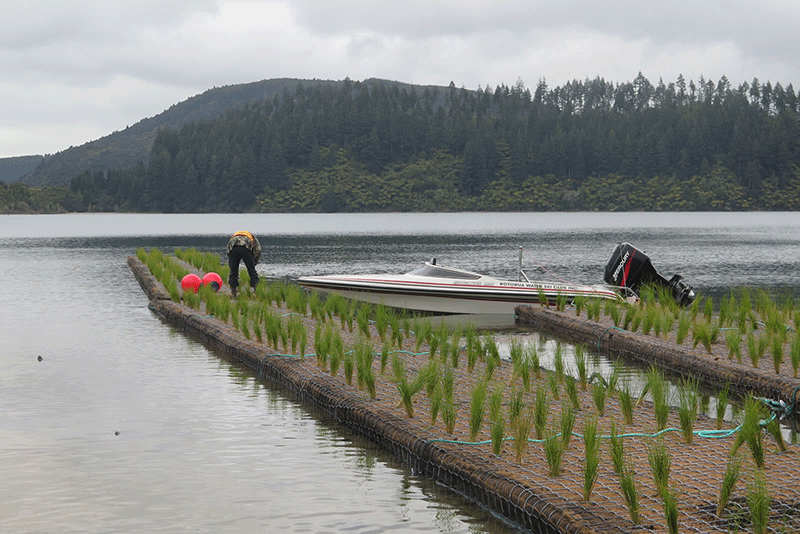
(589, 145)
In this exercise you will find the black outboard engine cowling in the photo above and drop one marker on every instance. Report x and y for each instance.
(631, 268)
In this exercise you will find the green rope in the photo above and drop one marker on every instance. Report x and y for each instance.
(600, 337)
(708, 434)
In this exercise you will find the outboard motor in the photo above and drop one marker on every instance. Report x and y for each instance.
(631, 268)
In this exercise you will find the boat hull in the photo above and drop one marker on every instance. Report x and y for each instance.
(449, 296)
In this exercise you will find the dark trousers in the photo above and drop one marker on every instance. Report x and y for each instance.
(239, 254)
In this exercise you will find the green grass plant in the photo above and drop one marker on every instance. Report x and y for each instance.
(522, 431)
(558, 361)
(750, 431)
(758, 502)
(382, 314)
(794, 352)
(687, 410)
(449, 415)
(581, 364)
(543, 299)
(436, 398)
(729, 480)
(671, 510)
(733, 339)
(660, 465)
(552, 380)
(657, 387)
(348, 365)
(591, 460)
(567, 424)
(533, 362)
(541, 410)
(554, 453)
(753, 349)
(561, 302)
(384, 357)
(516, 405)
(650, 319)
(364, 357)
(684, 324)
(626, 403)
(477, 409)
(628, 485)
(455, 347)
(599, 391)
(579, 303)
(774, 428)
(498, 435)
(572, 392)
(701, 334)
(593, 307)
(776, 348)
(406, 388)
(362, 318)
(617, 450)
(636, 321)
(722, 404)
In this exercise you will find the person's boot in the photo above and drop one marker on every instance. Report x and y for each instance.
(233, 292)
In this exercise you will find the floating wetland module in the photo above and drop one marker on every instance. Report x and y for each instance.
(548, 452)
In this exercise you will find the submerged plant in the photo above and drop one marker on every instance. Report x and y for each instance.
(722, 404)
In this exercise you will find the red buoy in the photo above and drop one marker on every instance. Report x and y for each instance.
(214, 279)
(191, 281)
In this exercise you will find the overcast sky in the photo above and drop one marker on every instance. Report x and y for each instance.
(75, 70)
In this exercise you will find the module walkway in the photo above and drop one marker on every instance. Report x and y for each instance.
(516, 483)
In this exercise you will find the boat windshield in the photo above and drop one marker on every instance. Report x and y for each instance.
(435, 271)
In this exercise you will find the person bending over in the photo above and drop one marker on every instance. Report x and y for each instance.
(243, 246)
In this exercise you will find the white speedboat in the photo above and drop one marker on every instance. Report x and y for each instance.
(447, 290)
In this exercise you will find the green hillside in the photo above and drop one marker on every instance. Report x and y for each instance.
(12, 169)
(299, 146)
(124, 149)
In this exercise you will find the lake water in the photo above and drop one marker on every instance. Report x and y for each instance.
(126, 425)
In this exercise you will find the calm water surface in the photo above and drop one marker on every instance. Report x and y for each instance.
(126, 425)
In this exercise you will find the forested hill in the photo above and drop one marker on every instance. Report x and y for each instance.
(12, 169)
(589, 145)
(124, 149)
